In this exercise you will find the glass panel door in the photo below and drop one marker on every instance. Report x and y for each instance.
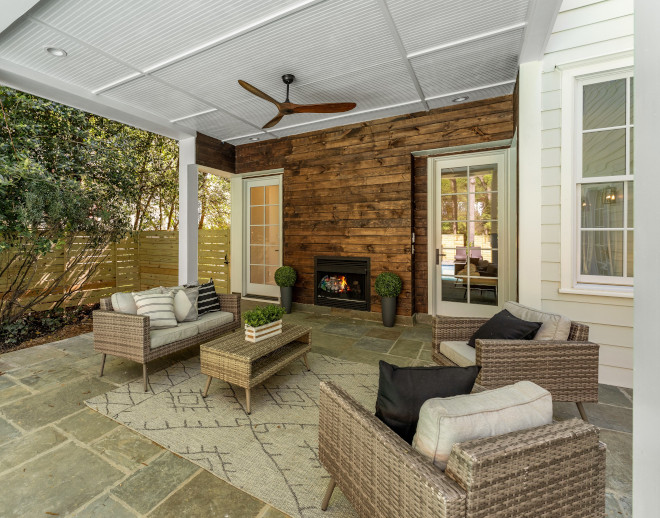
(467, 236)
(263, 217)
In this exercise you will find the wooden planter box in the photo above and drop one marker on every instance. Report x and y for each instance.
(256, 334)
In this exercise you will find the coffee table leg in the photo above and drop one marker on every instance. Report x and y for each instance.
(305, 360)
(206, 389)
(247, 399)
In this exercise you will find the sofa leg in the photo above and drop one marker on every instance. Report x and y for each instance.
(144, 377)
(102, 363)
(583, 414)
(328, 494)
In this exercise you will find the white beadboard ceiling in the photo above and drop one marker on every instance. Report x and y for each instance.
(172, 66)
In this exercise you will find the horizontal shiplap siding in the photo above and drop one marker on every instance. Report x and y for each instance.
(584, 29)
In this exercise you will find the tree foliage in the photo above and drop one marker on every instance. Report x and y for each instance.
(63, 174)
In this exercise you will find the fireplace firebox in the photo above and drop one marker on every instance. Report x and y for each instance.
(342, 282)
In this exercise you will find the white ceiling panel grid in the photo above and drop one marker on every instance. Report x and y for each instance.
(157, 97)
(324, 41)
(25, 44)
(145, 33)
(425, 24)
(470, 65)
(181, 60)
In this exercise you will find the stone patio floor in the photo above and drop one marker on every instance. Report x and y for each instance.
(59, 458)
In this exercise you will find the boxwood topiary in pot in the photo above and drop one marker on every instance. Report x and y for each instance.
(285, 278)
(388, 285)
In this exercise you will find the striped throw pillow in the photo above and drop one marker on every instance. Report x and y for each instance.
(208, 299)
(159, 307)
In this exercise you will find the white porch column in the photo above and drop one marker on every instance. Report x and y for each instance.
(188, 212)
(529, 184)
(646, 352)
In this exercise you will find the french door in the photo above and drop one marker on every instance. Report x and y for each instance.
(263, 215)
(470, 262)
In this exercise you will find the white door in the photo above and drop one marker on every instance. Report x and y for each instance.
(471, 238)
(264, 234)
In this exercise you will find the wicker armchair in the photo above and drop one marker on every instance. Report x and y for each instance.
(128, 336)
(568, 370)
(557, 470)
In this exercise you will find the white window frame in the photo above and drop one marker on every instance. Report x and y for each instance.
(573, 77)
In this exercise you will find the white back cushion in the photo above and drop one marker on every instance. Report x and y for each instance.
(554, 326)
(125, 303)
(159, 307)
(444, 422)
(185, 302)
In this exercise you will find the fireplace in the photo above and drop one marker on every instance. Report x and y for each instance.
(342, 282)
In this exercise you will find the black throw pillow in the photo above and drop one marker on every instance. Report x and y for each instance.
(208, 299)
(403, 390)
(505, 326)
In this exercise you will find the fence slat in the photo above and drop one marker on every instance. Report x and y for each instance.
(143, 261)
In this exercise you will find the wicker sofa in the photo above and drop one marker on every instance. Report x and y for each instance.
(129, 336)
(557, 470)
(567, 369)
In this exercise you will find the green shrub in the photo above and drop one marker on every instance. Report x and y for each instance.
(388, 284)
(285, 276)
(260, 316)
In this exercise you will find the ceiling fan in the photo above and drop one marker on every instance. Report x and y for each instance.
(288, 108)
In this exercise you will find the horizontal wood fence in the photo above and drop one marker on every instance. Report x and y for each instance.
(145, 260)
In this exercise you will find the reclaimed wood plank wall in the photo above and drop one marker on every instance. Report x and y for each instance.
(348, 191)
(214, 153)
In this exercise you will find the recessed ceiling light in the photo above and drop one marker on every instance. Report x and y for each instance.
(54, 51)
(460, 99)
(254, 139)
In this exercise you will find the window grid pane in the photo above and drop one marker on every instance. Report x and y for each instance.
(605, 226)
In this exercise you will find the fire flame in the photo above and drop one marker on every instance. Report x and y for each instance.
(343, 284)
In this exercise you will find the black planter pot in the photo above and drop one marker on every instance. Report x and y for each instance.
(388, 305)
(286, 292)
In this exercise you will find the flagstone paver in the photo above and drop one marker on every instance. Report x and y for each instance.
(58, 456)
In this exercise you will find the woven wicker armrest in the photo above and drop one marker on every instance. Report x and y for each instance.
(569, 370)
(379, 473)
(454, 328)
(231, 302)
(121, 334)
(552, 470)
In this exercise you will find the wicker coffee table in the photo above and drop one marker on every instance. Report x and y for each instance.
(233, 359)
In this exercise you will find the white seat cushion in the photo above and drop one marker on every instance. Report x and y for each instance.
(444, 422)
(208, 321)
(554, 326)
(459, 352)
(160, 337)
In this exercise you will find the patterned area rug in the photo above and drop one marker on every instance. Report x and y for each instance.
(272, 453)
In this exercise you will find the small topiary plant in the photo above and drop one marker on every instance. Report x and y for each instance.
(285, 276)
(260, 316)
(388, 284)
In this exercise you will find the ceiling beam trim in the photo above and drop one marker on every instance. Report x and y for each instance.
(35, 83)
(461, 92)
(402, 51)
(467, 40)
(13, 10)
(203, 112)
(541, 16)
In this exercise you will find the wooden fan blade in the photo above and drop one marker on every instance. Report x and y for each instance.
(273, 121)
(323, 108)
(257, 92)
